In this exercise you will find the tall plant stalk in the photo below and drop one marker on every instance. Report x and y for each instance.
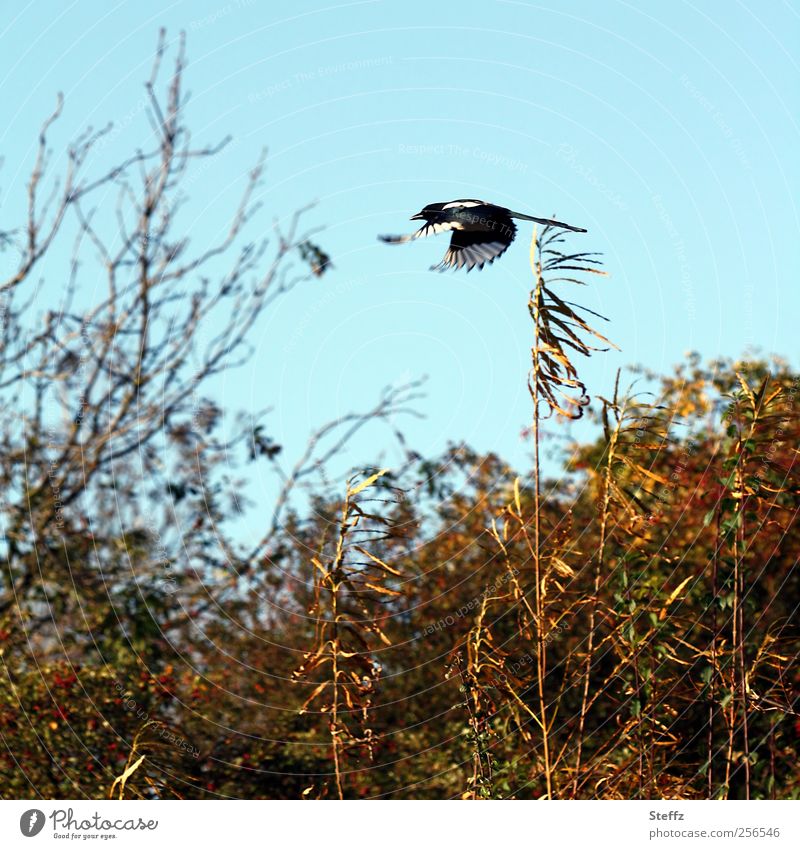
(714, 651)
(534, 303)
(351, 589)
(744, 488)
(627, 491)
(743, 448)
(612, 438)
(557, 327)
(498, 683)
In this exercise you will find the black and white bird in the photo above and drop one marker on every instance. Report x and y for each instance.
(481, 231)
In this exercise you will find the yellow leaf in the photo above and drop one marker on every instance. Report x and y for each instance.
(672, 596)
(747, 390)
(383, 590)
(368, 482)
(516, 495)
(652, 475)
(377, 560)
(563, 569)
(317, 690)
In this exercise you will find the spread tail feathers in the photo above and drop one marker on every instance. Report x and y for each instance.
(549, 222)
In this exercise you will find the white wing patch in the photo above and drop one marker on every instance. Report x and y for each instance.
(425, 230)
(455, 203)
(435, 229)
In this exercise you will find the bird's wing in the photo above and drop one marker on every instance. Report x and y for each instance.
(469, 249)
(425, 230)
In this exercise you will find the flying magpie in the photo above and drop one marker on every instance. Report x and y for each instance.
(481, 231)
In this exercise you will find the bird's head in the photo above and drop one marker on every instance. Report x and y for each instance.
(430, 212)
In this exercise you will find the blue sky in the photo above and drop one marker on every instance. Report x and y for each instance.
(670, 131)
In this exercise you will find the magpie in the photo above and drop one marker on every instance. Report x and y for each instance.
(481, 231)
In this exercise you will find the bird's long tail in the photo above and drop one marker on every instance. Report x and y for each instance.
(549, 222)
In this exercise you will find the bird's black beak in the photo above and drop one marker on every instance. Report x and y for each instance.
(417, 217)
